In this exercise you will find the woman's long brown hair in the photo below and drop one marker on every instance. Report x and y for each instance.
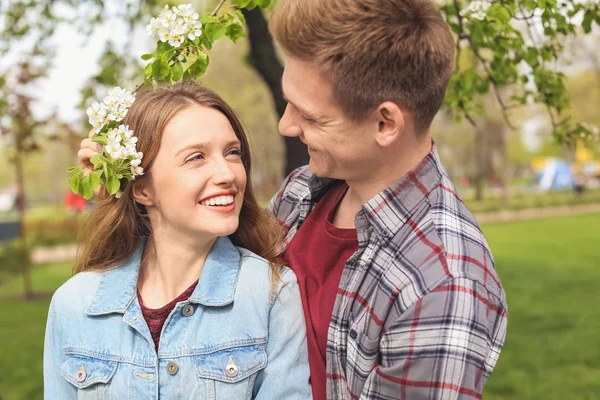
(113, 229)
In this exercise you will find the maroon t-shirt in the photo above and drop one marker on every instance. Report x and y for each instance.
(156, 317)
(317, 254)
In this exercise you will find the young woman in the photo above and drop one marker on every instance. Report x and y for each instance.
(178, 293)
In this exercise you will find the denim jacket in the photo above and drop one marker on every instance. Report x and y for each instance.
(234, 338)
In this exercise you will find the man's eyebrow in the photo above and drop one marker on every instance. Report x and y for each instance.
(302, 110)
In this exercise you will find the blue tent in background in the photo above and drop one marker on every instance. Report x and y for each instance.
(556, 175)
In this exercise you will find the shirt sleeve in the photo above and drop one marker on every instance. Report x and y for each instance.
(286, 375)
(445, 346)
(55, 386)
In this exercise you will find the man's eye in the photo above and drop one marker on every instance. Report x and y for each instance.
(309, 120)
(197, 157)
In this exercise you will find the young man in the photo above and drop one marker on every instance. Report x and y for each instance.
(400, 294)
(399, 290)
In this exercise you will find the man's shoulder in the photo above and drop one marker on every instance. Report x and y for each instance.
(296, 182)
(443, 242)
(292, 189)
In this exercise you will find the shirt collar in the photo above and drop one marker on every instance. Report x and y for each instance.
(216, 286)
(391, 208)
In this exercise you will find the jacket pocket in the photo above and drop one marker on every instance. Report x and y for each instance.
(230, 373)
(90, 376)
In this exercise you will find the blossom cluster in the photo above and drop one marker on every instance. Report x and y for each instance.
(122, 146)
(175, 24)
(476, 10)
(113, 108)
(120, 142)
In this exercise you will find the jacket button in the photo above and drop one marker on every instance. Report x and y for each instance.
(353, 334)
(172, 368)
(81, 375)
(231, 370)
(188, 310)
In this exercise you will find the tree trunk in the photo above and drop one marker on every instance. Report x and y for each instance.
(264, 60)
(480, 162)
(24, 251)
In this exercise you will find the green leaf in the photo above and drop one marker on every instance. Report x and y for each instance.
(586, 24)
(162, 48)
(85, 189)
(94, 178)
(235, 32)
(160, 69)
(148, 70)
(214, 31)
(263, 3)
(206, 41)
(177, 71)
(198, 68)
(147, 57)
(241, 3)
(112, 184)
(74, 181)
(100, 139)
(206, 18)
(241, 17)
(477, 34)
(97, 159)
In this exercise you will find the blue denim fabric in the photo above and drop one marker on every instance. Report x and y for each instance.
(243, 340)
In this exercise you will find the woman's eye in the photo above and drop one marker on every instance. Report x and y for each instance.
(235, 152)
(197, 157)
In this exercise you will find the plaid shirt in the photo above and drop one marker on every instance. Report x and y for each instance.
(419, 311)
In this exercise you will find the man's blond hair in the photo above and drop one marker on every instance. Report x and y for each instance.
(372, 51)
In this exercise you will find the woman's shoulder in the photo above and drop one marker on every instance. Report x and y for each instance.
(78, 291)
(253, 263)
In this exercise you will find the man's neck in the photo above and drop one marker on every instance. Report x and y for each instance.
(398, 164)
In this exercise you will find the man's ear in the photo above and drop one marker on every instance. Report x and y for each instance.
(141, 194)
(391, 123)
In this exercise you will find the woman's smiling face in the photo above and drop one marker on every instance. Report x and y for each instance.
(197, 181)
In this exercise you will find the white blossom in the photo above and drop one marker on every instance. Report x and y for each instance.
(137, 171)
(97, 115)
(117, 114)
(477, 9)
(175, 25)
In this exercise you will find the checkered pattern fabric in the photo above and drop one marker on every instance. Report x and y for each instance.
(420, 312)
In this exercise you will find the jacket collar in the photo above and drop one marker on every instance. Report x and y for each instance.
(216, 287)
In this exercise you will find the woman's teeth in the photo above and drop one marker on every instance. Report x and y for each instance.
(218, 201)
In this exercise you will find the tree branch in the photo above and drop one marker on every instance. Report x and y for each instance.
(218, 7)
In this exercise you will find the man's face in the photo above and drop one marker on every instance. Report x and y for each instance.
(338, 147)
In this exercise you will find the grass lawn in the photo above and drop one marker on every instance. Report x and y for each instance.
(551, 272)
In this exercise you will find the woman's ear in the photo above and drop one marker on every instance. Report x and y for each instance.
(391, 123)
(141, 193)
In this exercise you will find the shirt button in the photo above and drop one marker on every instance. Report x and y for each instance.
(172, 368)
(188, 310)
(353, 334)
